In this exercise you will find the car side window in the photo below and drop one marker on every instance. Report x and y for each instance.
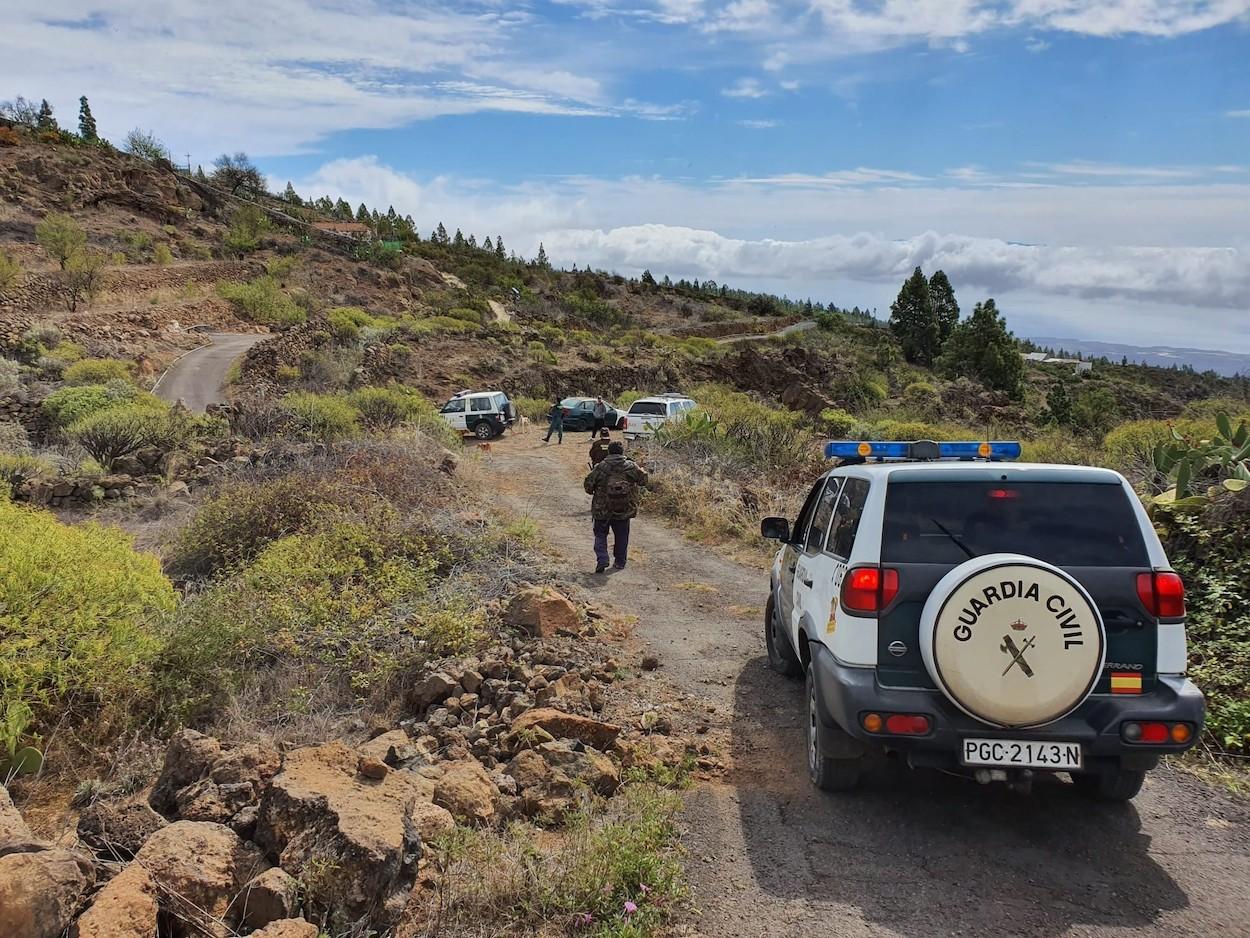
(798, 534)
(454, 407)
(481, 403)
(846, 522)
(823, 515)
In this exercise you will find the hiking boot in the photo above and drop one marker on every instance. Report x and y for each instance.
(601, 567)
(618, 566)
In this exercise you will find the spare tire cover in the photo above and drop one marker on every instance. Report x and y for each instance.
(1012, 641)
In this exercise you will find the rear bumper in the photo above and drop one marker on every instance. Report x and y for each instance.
(844, 693)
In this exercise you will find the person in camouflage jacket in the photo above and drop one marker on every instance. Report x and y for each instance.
(613, 487)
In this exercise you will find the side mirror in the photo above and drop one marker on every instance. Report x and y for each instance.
(776, 529)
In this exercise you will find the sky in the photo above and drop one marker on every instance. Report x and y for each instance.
(1084, 162)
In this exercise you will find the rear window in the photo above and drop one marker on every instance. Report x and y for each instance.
(1069, 524)
(651, 408)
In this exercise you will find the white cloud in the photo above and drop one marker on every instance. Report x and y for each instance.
(1245, 113)
(746, 88)
(758, 124)
(859, 176)
(1059, 249)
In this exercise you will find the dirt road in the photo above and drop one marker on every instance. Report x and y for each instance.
(199, 377)
(913, 852)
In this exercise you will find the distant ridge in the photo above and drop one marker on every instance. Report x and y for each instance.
(1163, 356)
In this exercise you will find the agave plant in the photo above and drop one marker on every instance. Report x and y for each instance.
(1197, 468)
(15, 758)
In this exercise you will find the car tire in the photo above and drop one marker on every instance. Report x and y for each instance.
(826, 774)
(781, 656)
(1110, 784)
(484, 430)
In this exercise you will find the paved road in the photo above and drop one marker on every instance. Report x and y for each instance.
(198, 378)
(914, 853)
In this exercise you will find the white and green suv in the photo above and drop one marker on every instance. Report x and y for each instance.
(975, 614)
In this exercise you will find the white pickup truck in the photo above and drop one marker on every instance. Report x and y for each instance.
(648, 414)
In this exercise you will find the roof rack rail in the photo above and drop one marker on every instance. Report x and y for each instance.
(922, 450)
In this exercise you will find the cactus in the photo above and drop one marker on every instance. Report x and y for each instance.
(16, 759)
(1223, 461)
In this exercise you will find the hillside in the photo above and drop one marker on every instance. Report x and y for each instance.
(308, 663)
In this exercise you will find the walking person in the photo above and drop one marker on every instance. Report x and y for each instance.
(555, 423)
(600, 413)
(613, 486)
(599, 448)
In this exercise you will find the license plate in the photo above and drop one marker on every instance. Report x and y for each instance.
(1022, 754)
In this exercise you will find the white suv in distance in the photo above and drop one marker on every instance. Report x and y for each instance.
(485, 414)
(648, 414)
(975, 615)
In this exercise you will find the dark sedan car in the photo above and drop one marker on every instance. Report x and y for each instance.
(579, 415)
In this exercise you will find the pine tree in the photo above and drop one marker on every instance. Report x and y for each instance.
(981, 347)
(473, 241)
(541, 259)
(362, 214)
(199, 174)
(343, 210)
(457, 240)
(913, 322)
(499, 251)
(1059, 404)
(290, 195)
(45, 120)
(648, 278)
(86, 123)
(440, 235)
(945, 309)
(488, 246)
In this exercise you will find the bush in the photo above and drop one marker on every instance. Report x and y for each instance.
(10, 374)
(382, 408)
(13, 438)
(10, 270)
(535, 408)
(162, 256)
(81, 610)
(67, 352)
(69, 405)
(465, 314)
(320, 416)
(860, 388)
(263, 301)
(1061, 446)
(16, 468)
(99, 371)
(836, 422)
(145, 145)
(1130, 447)
(61, 237)
(125, 429)
(247, 225)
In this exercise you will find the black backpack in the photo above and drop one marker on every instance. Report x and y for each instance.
(619, 495)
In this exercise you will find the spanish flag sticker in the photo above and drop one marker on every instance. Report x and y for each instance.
(1125, 682)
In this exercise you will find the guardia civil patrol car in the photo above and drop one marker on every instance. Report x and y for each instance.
(981, 615)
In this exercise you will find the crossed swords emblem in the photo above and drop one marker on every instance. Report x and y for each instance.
(1008, 647)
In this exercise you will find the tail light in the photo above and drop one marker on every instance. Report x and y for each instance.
(1154, 734)
(1162, 593)
(869, 589)
(896, 724)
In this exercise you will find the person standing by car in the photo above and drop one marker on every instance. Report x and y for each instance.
(599, 448)
(555, 423)
(600, 413)
(613, 486)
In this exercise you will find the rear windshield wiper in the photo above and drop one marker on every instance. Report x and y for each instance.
(958, 543)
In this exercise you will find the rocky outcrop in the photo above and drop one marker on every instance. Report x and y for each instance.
(12, 827)
(559, 725)
(543, 612)
(355, 837)
(203, 782)
(200, 869)
(127, 907)
(117, 831)
(270, 897)
(467, 792)
(41, 890)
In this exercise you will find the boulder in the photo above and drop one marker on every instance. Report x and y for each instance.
(587, 766)
(287, 928)
(188, 758)
(563, 725)
(529, 769)
(467, 792)
(542, 612)
(12, 827)
(127, 907)
(434, 689)
(270, 897)
(116, 831)
(392, 748)
(41, 890)
(251, 765)
(320, 807)
(431, 820)
(200, 868)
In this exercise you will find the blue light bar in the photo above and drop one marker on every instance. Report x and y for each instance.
(994, 450)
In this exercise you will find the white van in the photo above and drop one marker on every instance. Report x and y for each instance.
(648, 414)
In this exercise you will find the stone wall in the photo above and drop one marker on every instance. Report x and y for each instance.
(22, 406)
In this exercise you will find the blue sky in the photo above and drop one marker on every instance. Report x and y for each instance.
(1086, 162)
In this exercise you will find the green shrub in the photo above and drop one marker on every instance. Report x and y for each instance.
(99, 371)
(1130, 447)
(1208, 408)
(61, 237)
(10, 270)
(10, 374)
(919, 392)
(1061, 446)
(347, 321)
(836, 422)
(860, 388)
(540, 354)
(13, 438)
(80, 616)
(68, 352)
(535, 408)
(263, 301)
(15, 468)
(162, 256)
(281, 267)
(381, 408)
(320, 416)
(247, 226)
(465, 314)
(69, 405)
(118, 431)
(909, 430)
(626, 398)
